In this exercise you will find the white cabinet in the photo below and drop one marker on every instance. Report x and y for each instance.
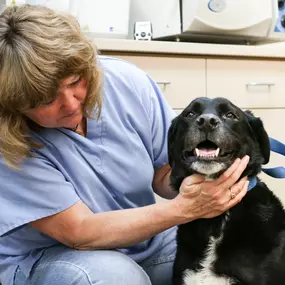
(181, 79)
(247, 83)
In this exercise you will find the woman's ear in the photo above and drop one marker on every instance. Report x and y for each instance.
(260, 134)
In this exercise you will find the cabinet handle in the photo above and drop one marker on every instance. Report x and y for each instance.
(269, 84)
(163, 82)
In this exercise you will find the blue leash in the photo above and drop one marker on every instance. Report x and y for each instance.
(278, 147)
(276, 172)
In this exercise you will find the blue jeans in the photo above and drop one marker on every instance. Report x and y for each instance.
(61, 265)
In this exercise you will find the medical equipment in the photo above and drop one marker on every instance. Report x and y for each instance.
(143, 31)
(247, 21)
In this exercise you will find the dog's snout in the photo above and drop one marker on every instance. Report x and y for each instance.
(208, 121)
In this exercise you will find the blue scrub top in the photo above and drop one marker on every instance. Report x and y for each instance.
(110, 169)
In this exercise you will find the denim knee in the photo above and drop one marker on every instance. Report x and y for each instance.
(65, 267)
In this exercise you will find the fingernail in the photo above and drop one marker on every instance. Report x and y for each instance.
(188, 181)
(238, 160)
(246, 159)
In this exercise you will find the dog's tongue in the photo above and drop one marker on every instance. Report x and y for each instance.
(206, 152)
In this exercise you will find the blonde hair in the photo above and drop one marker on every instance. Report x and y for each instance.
(38, 48)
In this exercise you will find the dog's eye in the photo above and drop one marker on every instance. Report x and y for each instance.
(231, 115)
(189, 114)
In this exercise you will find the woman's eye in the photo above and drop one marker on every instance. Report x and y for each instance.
(75, 83)
(231, 115)
(190, 114)
(50, 102)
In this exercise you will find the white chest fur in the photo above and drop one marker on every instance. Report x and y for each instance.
(206, 276)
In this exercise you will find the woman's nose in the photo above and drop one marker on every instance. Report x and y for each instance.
(69, 100)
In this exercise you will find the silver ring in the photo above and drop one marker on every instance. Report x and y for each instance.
(233, 195)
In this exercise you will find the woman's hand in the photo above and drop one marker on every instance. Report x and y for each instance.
(206, 199)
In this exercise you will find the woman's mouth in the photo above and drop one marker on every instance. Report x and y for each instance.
(73, 114)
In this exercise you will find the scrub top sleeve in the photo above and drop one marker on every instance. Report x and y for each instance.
(35, 191)
(161, 115)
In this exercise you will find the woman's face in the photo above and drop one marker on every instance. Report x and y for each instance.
(66, 110)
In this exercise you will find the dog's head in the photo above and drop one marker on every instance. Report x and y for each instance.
(210, 134)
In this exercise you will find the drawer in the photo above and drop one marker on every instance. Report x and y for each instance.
(181, 79)
(247, 83)
(271, 120)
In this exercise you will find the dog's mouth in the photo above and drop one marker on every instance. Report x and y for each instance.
(206, 150)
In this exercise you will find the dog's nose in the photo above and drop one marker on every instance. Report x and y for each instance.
(209, 121)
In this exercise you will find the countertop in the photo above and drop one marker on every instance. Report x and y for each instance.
(269, 50)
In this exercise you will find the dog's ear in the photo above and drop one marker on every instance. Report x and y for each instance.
(171, 139)
(260, 134)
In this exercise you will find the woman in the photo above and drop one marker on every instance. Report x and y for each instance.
(83, 148)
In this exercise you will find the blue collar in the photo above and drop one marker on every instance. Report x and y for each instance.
(276, 172)
(252, 182)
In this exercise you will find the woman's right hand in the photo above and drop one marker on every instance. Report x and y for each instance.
(198, 198)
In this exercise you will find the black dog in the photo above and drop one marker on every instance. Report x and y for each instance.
(246, 245)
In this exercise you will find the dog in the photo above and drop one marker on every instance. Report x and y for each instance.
(245, 245)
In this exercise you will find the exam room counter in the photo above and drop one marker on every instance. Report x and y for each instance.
(252, 77)
(270, 50)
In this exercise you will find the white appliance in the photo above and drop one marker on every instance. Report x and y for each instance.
(98, 18)
(208, 20)
(104, 18)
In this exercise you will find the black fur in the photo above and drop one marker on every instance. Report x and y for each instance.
(252, 249)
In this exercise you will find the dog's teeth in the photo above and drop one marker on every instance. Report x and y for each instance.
(217, 152)
(197, 152)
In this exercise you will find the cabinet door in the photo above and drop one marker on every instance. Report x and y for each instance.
(273, 123)
(181, 79)
(247, 83)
